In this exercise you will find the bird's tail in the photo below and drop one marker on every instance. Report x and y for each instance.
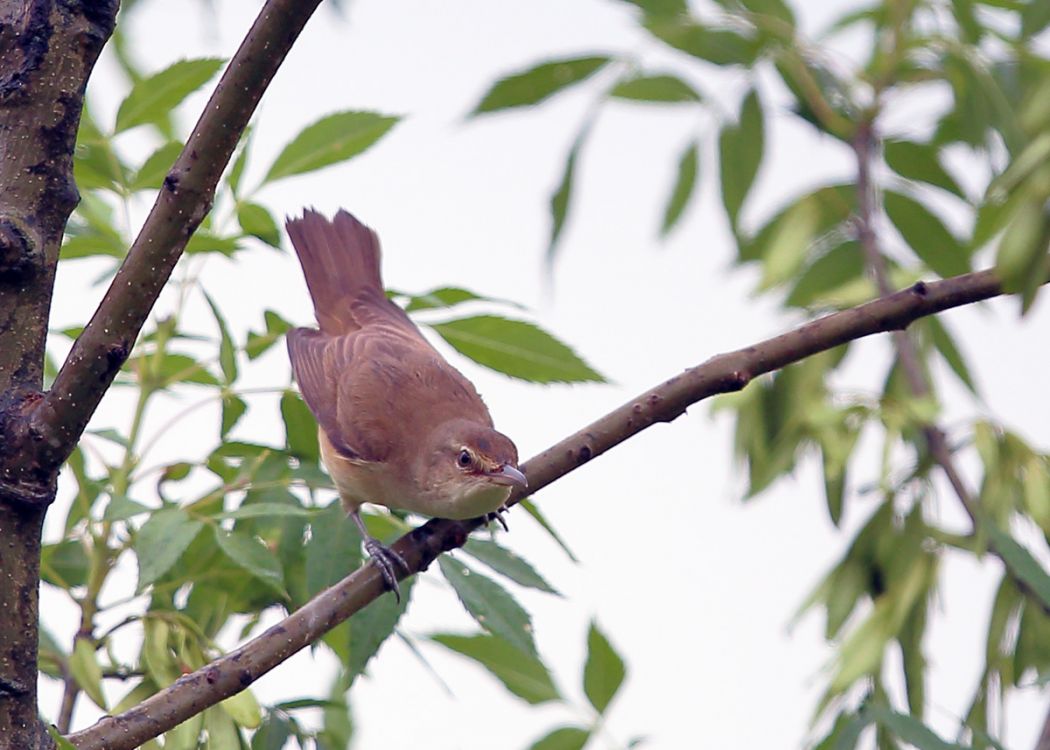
(340, 259)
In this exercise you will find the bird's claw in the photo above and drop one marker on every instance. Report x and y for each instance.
(497, 515)
(386, 561)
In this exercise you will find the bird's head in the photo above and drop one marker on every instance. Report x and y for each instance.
(470, 469)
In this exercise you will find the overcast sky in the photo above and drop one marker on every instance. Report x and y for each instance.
(693, 587)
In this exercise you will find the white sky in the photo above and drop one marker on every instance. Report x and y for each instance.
(694, 588)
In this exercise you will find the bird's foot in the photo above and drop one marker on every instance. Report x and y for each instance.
(497, 515)
(387, 561)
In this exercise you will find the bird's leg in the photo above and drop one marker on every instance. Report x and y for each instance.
(497, 515)
(383, 557)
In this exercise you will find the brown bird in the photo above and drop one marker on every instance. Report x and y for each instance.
(397, 424)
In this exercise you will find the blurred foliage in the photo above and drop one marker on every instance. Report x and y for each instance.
(971, 181)
(264, 536)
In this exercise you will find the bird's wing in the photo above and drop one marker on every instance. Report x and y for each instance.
(311, 353)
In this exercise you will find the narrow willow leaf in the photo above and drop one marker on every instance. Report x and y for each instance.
(153, 98)
(1021, 259)
(448, 296)
(532, 510)
(300, 427)
(156, 167)
(919, 161)
(371, 626)
(250, 554)
(506, 562)
(538, 83)
(60, 742)
(683, 187)
(490, 605)
(265, 510)
(332, 139)
(227, 351)
(604, 671)
(562, 196)
(161, 541)
(257, 221)
(718, 46)
(122, 507)
(740, 149)
(663, 88)
(516, 348)
(1020, 561)
(563, 738)
(926, 235)
(909, 729)
(206, 242)
(84, 667)
(945, 345)
(523, 675)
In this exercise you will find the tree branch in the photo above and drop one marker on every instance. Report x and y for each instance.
(181, 205)
(725, 373)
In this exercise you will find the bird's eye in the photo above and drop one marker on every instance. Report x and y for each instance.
(464, 459)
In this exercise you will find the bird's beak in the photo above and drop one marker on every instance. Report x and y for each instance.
(510, 476)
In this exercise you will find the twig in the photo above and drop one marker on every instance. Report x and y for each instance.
(727, 372)
(182, 203)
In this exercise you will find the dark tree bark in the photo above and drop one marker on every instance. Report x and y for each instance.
(47, 51)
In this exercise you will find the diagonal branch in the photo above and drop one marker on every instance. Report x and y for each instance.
(181, 205)
(725, 373)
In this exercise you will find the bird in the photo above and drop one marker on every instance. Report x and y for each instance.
(398, 425)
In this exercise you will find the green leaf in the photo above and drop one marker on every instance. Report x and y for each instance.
(717, 46)
(1021, 260)
(909, 729)
(563, 738)
(64, 564)
(740, 149)
(244, 709)
(659, 88)
(203, 241)
(227, 352)
(122, 507)
(945, 345)
(683, 187)
(371, 626)
(1019, 560)
(332, 139)
(161, 541)
(532, 510)
(1035, 17)
(516, 348)
(233, 408)
(258, 343)
(61, 743)
(661, 8)
(265, 510)
(506, 562)
(919, 161)
(153, 98)
(926, 235)
(156, 167)
(790, 244)
(538, 83)
(448, 296)
(523, 675)
(273, 734)
(250, 554)
(300, 427)
(604, 671)
(236, 171)
(832, 271)
(562, 196)
(178, 368)
(86, 671)
(334, 549)
(489, 604)
(258, 222)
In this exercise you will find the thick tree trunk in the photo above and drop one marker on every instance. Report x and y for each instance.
(47, 51)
